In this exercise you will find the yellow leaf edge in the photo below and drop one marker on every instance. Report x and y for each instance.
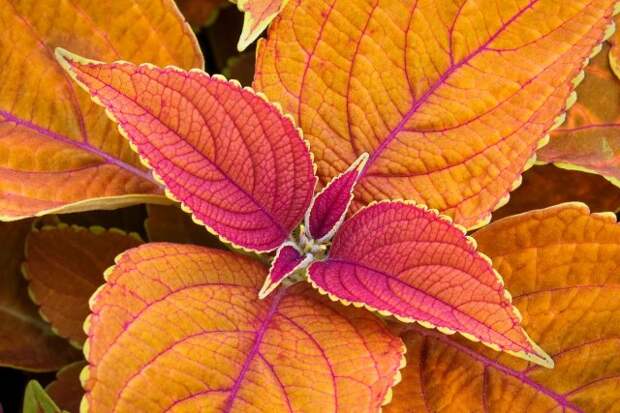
(85, 373)
(539, 356)
(96, 230)
(559, 119)
(64, 56)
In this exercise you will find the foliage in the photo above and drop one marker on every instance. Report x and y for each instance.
(309, 227)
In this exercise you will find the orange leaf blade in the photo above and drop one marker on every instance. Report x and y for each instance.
(450, 99)
(58, 151)
(563, 266)
(187, 319)
(230, 157)
(64, 267)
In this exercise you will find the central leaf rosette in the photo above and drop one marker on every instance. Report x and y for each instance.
(242, 168)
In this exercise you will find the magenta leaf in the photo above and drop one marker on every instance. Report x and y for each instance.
(329, 207)
(287, 261)
(402, 259)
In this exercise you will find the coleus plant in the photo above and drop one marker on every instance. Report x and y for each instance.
(408, 121)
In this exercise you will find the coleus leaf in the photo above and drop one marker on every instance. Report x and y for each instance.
(401, 259)
(258, 15)
(545, 185)
(66, 391)
(58, 151)
(450, 99)
(614, 52)
(590, 139)
(329, 207)
(27, 343)
(230, 157)
(187, 320)
(64, 266)
(563, 266)
(287, 261)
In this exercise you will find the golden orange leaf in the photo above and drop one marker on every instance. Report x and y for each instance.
(450, 98)
(590, 139)
(26, 340)
(179, 327)
(546, 185)
(563, 266)
(64, 266)
(59, 152)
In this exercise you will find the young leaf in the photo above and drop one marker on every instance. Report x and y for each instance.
(258, 15)
(189, 332)
(58, 152)
(450, 98)
(329, 207)
(27, 341)
(287, 260)
(590, 140)
(545, 185)
(401, 259)
(64, 267)
(66, 390)
(563, 266)
(233, 159)
(36, 400)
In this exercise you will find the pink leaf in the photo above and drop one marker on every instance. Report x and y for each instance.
(288, 259)
(232, 158)
(330, 206)
(401, 259)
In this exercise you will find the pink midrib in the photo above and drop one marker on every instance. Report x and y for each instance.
(109, 159)
(444, 77)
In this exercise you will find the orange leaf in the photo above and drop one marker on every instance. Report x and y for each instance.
(258, 15)
(64, 266)
(563, 266)
(66, 391)
(182, 327)
(27, 341)
(546, 185)
(450, 98)
(590, 139)
(58, 151)
(614, 52)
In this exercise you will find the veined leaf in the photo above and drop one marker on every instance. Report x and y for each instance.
(185, 324)
(66, 391)
(545, 185)
(258, 15)
(450, 98)
(64, 266)
(58, 151)
(404, 260)
(590, 139)
(329, 207)
(27, 343)
(563, 266)
(229, 156)
(287, 260)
